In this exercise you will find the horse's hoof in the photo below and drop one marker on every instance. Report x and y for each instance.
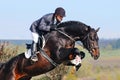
(78, 66)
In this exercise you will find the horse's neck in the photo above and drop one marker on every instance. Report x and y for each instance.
(48, 35)
(58, 37)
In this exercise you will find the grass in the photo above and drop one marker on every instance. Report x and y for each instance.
(8, 50)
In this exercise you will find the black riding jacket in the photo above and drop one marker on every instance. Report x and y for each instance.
(43, 24)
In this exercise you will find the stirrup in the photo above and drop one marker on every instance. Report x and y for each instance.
(34, 58)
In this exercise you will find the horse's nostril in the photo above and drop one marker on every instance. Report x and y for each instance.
(96, 57)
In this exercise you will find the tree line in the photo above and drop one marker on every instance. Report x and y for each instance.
(109, 43)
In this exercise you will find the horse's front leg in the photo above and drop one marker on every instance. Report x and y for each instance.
(76, 51)
(64, 53)
(75, 58)
(70, 53)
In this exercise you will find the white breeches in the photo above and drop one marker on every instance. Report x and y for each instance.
(35, 37)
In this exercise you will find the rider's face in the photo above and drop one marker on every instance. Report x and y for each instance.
(59, 18)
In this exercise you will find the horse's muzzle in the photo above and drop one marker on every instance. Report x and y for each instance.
(95, 53)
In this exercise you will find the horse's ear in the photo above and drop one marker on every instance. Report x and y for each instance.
(97, 29)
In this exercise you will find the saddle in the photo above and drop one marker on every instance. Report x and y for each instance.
(41, 43)
(39, 46)
(39, 49)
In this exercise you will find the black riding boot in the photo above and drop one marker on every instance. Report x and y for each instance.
(33, 52)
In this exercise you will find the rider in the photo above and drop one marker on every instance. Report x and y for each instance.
(43, 25)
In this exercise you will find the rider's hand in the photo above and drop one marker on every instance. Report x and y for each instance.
(53, 27)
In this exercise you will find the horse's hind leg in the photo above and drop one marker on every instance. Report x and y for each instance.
(25, 78)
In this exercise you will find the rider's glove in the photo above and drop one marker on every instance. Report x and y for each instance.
(53, 27)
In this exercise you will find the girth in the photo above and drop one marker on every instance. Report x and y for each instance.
(47, 57)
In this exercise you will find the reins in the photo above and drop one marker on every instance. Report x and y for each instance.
(65, 35)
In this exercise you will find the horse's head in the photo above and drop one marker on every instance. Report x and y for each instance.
(84, 33)
(90, 42)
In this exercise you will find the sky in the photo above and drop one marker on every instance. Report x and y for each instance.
(16, 16)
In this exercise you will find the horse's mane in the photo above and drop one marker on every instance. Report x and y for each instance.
(68, 23)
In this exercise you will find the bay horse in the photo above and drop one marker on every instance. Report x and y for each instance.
(59, 47)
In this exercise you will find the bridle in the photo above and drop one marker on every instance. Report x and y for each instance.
(87, 39)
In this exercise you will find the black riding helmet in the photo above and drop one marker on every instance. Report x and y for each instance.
(60, 11)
